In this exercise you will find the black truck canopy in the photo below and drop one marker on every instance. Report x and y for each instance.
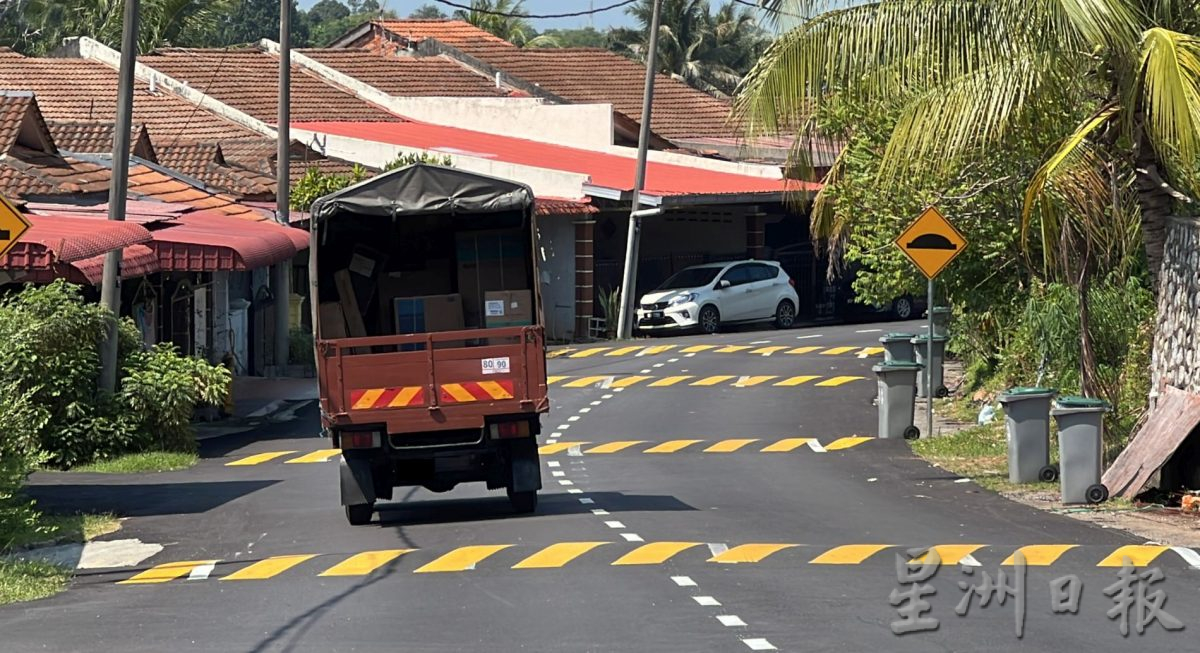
(423, 189)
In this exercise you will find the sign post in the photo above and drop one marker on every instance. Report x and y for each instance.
(13, 225)
(931, 242)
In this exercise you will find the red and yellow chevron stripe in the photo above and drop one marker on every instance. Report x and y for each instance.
(387, 398)
(461, 393)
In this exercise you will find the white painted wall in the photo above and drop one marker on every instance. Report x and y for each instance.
(556, 267)
(543, 181)
(588, 126)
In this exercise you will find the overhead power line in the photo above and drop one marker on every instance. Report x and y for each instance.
(509, 14)
(778, 12)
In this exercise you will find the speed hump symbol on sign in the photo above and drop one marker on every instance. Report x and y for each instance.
(931, 242)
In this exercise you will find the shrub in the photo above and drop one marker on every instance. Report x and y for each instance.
(161, 390)
(20, 421)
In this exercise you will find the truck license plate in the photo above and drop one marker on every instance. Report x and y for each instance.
(496, 365)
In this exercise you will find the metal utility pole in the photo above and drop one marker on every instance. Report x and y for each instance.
(283, 270)
(110, 288)
(629, 281)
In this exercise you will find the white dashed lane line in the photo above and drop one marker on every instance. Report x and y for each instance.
(683, 581)
(730, 620)
(632, 537)
(707, 601)
(614, 524)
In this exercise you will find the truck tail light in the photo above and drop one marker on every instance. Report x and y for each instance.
(360, 440)
(510, 430)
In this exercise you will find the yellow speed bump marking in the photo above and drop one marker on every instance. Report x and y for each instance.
(750, 381)
(628, 381)
(551, 380)
(749, 553)
(1039, 555)
(668, 381)
(556, 555)
(949, 554)
(727, 446)
(258, 459)
(462, 558)
(713, 380)
(586, 381)
(787, 444)
(1140, 555)
(803, 350)
(166, 572)
(696, 349)
(869, 351)
(364, 563)
(584, 353)
(559, 447)
(837, 380)
(623, 351)
(846, 443)
(837, 351)
(319, 456)
(795, 381)
(656, 349)
(732, 349)
(558, 352)
(767, 351)
(654, 553)
(614, 447)
(671, 446)
(848, 554)
(268, 568)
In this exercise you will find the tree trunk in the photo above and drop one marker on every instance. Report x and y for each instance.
(1156, 206)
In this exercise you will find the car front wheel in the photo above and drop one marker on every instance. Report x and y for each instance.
(902, 308)
(710, 319)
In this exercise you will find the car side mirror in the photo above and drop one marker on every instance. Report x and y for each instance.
(723, 284)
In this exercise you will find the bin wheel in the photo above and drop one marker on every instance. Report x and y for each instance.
(942, 393)
(1097, 494)
(1048, 474)
(523, 502)
(359, 514)
(912, 433)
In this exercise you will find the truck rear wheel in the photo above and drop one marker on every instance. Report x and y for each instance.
(360, 514)
(523, 502)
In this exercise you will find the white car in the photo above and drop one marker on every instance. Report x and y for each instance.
(707, 296)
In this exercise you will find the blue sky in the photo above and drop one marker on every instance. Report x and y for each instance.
(601, 20)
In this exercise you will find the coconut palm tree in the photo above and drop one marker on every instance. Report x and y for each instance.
(162, 22)
(502, 18)
(969, 74)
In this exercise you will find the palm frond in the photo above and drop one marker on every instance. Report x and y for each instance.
(1170, 95)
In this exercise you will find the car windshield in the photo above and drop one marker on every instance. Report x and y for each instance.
(690, 278)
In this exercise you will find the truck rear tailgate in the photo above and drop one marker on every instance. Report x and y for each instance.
(433, 381)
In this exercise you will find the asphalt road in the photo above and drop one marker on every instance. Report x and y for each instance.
(708, 494)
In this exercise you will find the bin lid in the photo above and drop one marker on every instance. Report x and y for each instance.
(1021, 392)
(897, 337)
(1081, 402)
(941, 310)
(925, 336)
(894, 366)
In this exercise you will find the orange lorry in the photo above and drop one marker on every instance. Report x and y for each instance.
(427, 320)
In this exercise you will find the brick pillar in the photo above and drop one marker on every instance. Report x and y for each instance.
(756, 236)
(584, 283)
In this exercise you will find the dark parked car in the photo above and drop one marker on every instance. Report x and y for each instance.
(847, 307)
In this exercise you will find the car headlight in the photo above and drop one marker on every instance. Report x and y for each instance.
(683, 299)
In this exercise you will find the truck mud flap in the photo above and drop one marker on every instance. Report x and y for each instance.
(526, 471)
(358, 487)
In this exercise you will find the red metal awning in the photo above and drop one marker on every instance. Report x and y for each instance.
(209, 243)
(54, 240)
(136, 261)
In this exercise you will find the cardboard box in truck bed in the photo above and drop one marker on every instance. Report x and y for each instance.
(502, 308)
(428, 314)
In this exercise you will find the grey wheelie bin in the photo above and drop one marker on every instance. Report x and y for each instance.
(897, 347)
(1027, 421)
(921, 347)
(897, 391)
(941, 321)
(1080, 445)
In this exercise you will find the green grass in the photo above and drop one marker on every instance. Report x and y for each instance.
(977, 452)
(29, 580)
(141, 463)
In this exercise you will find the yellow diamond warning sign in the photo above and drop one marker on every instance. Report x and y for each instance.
(12, 225)
(931, 242)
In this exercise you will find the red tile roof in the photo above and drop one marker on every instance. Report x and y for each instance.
(248, 80)
(560, 206)
(136, 261)
(206, 162)
(52, 241)
(208, 243)
(13, 108)
(606, 170)
(96, 137)
(582, 75)
(406, 76)
(84, 90)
